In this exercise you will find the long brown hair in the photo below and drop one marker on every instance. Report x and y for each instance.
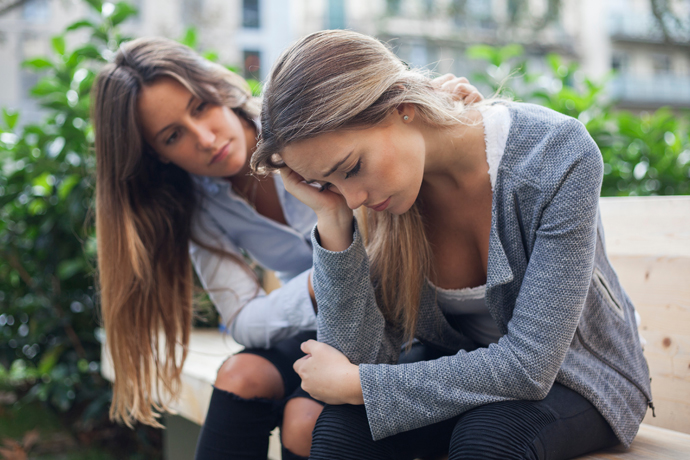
(144, 210)
(334, 80)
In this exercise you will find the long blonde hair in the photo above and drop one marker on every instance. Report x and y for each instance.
(334, 80)
(144, 211)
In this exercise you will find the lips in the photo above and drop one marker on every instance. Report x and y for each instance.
(222, 153)
(381, 206)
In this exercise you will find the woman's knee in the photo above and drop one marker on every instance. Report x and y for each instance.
(342, 432)
(299, 418)
(250, 376)
(500, 431)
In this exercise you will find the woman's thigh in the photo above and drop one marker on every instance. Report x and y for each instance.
(343, 432)
(563, 425)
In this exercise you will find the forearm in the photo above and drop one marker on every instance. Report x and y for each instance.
(266, 319)
(348, 314)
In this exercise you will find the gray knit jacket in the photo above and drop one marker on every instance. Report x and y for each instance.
(550, 288)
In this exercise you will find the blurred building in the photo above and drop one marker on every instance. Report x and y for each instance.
(602, 35)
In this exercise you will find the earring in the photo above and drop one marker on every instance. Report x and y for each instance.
(406, 118)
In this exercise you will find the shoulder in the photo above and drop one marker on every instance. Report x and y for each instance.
(543, 144)
(532, 124)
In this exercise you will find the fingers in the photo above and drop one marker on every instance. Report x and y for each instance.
(472, 95)
(290, 176)
(464, 92)
(459, 87)
(300, 363)
(308, 346)
(439, 81)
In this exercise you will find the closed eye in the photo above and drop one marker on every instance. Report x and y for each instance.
(355, 170)
(325, 186)
(201, 106)
(172, 138)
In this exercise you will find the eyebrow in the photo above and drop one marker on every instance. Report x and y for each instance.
(338, 165)
(189, 103)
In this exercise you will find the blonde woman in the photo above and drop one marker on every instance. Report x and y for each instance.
(174, 134)
(479, 237)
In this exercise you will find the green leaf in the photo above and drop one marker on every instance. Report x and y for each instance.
(510, 51)
(123, 10)
(189, 38)
(210, 56)
(46, 86)
(81, 24)
(484, 52)
(255, 86)
(67, 185)
(43, 184)
(88, 51)
(49, 359)
(96, 4)
(59, 44)
(38, 63)
(37, 206)
(68, 268)
(10, 117)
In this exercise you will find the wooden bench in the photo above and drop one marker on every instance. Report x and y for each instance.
(648, 242)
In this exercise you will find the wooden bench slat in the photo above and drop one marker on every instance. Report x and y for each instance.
(651, 443)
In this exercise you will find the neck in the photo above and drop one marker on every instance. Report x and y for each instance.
(455, 156)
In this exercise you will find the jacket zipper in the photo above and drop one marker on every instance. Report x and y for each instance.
(650, 402)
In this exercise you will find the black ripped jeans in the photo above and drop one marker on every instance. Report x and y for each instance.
(238, 428)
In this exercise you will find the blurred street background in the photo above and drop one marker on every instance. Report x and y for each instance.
(622, 67)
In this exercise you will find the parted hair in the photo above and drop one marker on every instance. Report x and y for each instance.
(144, 212)
(334, 80)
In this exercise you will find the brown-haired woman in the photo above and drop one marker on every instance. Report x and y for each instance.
(174, 134)
(479, 236)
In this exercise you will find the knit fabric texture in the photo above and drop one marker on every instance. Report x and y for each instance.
(561, 319)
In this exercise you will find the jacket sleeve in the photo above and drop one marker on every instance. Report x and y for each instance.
(349, 318)
(524, 363)
(252, 317)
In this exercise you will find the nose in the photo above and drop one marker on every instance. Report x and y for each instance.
(205, 136)
(354, 197)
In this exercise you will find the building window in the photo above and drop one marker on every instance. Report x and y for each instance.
(252, 65)
(36, 11)
(661, 63)
(250, 14)
(619, 62)
(336, 14)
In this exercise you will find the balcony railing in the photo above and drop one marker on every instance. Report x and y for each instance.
(642, 27)
(653, 90)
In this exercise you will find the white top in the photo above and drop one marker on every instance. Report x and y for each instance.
(470, 303)
(225, 220)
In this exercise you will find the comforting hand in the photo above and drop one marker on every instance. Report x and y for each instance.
(459, 87)
(333, 216)
(328, 375)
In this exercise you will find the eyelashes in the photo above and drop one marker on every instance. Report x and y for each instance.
(351, 173)
(203, 105)
(355, 169)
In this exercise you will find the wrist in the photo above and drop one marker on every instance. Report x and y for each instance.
(356, 396)
(335, 230)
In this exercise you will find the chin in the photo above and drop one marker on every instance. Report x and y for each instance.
(398, 209)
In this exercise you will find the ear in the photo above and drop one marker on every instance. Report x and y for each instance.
(406, 112)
